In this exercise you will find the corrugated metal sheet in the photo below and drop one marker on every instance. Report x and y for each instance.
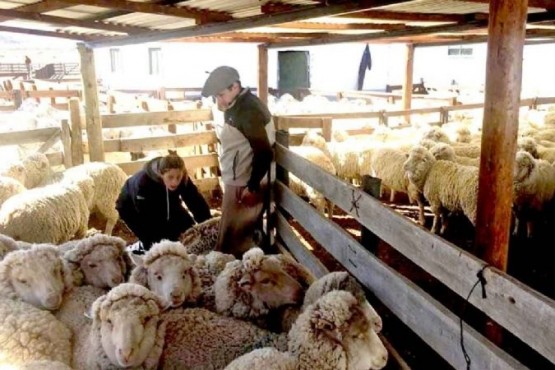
(442, 7)
(15, 3)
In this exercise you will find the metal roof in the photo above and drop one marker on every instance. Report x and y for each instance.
(277, 23)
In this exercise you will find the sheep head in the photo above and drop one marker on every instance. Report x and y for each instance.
(335, 330)
(128, 321)
(15, 171)
(167, 270)
(523, 166)
(201, 238)
(436, 134)
(443, 151)
(37, 276)
(529, 145)
(100, 261)
(417, 165)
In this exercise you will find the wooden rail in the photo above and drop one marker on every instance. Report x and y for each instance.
(526, 313)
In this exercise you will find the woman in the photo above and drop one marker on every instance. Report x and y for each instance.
(150, 202)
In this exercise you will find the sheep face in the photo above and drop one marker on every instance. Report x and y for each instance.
(272, 285)
(39, 278)
(417, 165)
(172, 279)
(523, 166)
(103, 267)
(529, 145)
(361, 343)
(128, 331)
(443, 151)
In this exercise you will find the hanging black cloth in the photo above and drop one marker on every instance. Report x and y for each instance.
(365, 64)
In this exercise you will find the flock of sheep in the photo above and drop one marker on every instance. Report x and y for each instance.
(439, 166)
(85, 304)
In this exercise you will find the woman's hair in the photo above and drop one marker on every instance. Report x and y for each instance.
(170, 162)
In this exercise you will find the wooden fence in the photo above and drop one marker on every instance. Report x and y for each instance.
(521, 310)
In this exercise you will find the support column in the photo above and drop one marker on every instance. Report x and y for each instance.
(263, 73)
(506, 33)
(407, 85)
(92, 110)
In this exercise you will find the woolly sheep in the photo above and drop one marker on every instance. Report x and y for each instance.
(332, 334)
(8, 188)
(534, 189)
(167, 270)
(200, 339)
(52, 214)
(260, 284)
(108, 180)
(15, 171)
(37, 276)
(300, 188)
(448, 186)
(36, 168)
(201, 238)
(446, 152)
(467, 150)
(538, 151)
(8, 245)
(126, 330)
(342, 280)
(100, 261)
(30, 334)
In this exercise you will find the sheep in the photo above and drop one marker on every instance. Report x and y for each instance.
(37, 276)
(52, 214)
(99, 260)
(468, 150)
(208, 267)
(538, 151)
(534, 190)
(9, 187)
(108, 180)
(201, 238)
(342, 280)
(167, 270)
(28, 334)
(300, 188)
(448, 186)
(126, 330)
(333, 333)
(200, 339)
(259, 285)
(14, 171)
(30, 171)
(446, 152)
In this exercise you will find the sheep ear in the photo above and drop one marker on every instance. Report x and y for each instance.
(139, 276)
(245, 282)
(136, 259)
(68, 276)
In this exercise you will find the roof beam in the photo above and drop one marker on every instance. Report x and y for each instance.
(47, 33)
(70, 22)
(404, 16)
(251, 22)
(201, 16)
(545, 4)
(413, 31)
(42, 6)
(341, 26)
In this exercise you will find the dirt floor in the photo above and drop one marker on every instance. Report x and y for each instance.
(531, 261)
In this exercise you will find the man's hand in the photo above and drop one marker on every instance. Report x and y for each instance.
(248, 198)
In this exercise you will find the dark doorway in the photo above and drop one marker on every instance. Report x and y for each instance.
(294, 71)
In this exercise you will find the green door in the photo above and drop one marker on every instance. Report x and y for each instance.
(294, 71)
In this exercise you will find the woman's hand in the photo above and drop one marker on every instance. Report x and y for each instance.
(248, 198)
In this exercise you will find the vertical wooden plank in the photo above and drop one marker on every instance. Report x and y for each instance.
(263, 73)
(77, 156)
(53, 98)
(66, 143)
(282, 137)
(370, 185)
(407, 85)
(506, 32)
(17, 99)
(326, 128)
(92, 112)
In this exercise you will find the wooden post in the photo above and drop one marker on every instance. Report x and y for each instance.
(17, 99)
(53, 98)
(263, 73)
(92, 112)
(506, 34)
(77, 156)
(327, 128)
(370, 185)
(407, 85)
(282, 137)
(66, 142)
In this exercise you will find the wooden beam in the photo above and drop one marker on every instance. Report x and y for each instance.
(499, 130)
(405, 16)
(341, 26)
(545, 4)
(90, 98)
(202, 16)
(335, 39)
(42, 6)
(407, 85)
(251, 22)
(62, 35)
(263, 73)
(116, 13)
(71, 22)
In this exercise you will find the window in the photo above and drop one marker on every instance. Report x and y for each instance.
(460, 51)
(155, 61)
(115, 61)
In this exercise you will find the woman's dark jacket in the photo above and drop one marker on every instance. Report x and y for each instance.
(153, 212)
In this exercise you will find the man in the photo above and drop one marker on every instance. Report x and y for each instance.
(246, 137)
